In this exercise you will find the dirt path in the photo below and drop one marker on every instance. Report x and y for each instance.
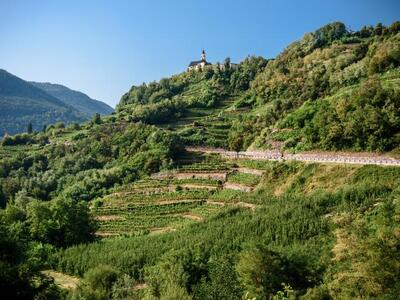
(103, 218)
(247, 205)
(242, 204)
(191, 217)
(158, 230)
(202, 175)
(106, 233)
(237, 187)
(198, 186)
(320, 157)
(140, 286)
(250, 171)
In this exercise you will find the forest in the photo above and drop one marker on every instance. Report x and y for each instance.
(118, 204)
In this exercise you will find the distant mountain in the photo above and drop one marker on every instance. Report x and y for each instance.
(22, 103)
(76, 99)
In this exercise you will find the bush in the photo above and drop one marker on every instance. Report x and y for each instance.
(97, 283)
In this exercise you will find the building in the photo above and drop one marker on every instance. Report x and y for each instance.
(202, 63)
(199, 64)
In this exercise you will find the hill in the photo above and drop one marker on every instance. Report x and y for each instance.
(22, 103)
(139, 204)
(332, 90)
(80, 101)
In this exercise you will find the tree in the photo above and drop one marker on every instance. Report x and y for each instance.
(97, 283)
(61, 222)
(221, 284)
(379, 29)
(329, 33)
(30, 129)
(227, 63)
(235, 141)
(96, 119)
(260, 272)
(21, 261)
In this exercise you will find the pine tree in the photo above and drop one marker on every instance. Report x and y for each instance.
(30, 129)
(96, 118)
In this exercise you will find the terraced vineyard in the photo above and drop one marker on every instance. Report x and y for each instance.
(168, 201)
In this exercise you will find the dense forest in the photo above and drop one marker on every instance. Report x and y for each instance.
(118, 203)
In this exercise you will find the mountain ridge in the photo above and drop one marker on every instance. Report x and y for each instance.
(75, 98)
(23, 103)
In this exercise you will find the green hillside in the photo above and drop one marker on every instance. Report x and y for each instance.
(76, 99)
(119, 208)
(332, 90)
(22, 103)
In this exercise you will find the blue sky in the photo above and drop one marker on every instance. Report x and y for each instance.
(103, 47)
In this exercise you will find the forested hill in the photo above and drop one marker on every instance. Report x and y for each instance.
(76, 99)
(23, 103)
(334, 90)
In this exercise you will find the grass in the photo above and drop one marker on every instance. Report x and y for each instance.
(62, 280)
(244, 178)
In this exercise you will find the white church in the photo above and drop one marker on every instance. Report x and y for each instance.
(199, 64)
(202, 63)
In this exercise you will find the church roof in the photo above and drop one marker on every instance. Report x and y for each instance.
(197, 62)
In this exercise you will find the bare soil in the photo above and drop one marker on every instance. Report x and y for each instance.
(158, 230)
(237, 187)
(109, 218)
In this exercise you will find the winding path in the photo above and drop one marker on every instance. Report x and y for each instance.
(319, 157)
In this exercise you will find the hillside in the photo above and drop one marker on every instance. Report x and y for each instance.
(332, 90)
(147, 203)
(80, 101)
(22, 103)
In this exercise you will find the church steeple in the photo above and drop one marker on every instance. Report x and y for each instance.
(203, 55)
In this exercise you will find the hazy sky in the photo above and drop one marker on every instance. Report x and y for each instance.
(103, 47)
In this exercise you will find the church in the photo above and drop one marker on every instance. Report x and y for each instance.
(202, 63)
(199, 64)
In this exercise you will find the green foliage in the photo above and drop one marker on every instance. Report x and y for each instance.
(97, 283)
(24, 139)
(243, 178)
(260, 273)
(88, 167)
(167, 279)
(308, 231)
(329, 33)
(96, 119)
(368, 118)
(21, 260)
(287, 239)
(221, 282)
(83, 103)
(369, 265)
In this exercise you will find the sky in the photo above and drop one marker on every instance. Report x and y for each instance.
(103, 47)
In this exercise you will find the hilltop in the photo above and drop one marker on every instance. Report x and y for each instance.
(140, 204)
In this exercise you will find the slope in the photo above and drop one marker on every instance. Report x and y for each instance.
(333, 90)
(21, 103)
(76, 99)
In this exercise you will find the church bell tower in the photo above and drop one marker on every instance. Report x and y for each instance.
(203, 55)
